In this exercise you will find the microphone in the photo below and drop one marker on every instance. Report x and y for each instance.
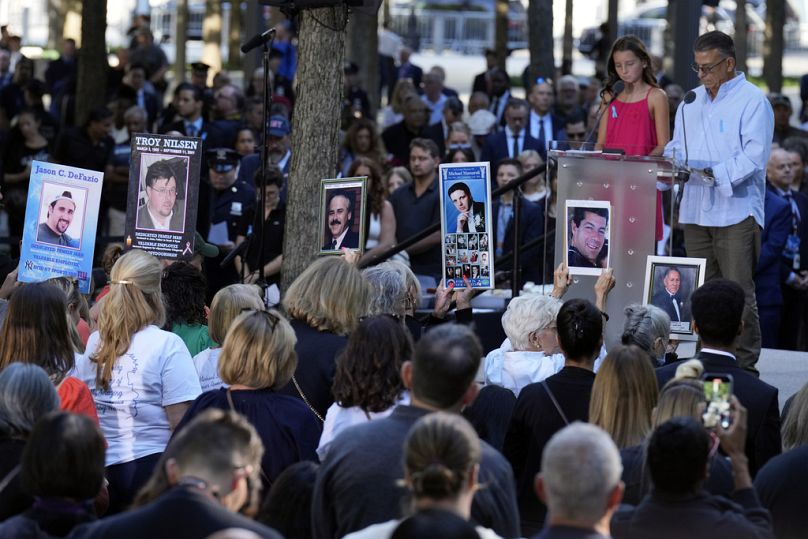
(690, 96)
(617, 89)
(258, 40)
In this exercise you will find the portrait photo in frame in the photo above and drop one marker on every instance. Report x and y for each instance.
(342, 214)
(669, 283)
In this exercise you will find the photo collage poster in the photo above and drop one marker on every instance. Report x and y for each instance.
(466, 228)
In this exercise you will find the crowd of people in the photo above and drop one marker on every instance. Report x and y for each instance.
(173, 401)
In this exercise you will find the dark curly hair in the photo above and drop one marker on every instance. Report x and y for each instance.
(184, 288)
(368, 368)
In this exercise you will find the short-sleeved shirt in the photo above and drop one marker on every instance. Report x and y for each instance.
(207, 367)
(156, 371)
(413, 214)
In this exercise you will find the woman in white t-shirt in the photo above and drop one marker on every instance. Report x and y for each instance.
(442, 457)
(227, 304)
(141, 377)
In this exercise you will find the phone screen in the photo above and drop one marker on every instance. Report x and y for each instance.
(717, 391)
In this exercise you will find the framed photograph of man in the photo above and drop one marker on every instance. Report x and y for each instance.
(669, 283)
(342, 214)
(161, 199)
(586, 236)
(465, 197)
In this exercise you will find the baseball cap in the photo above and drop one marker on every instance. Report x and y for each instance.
(201, 247)
(779, 100)
(64, 196)
(278, 126)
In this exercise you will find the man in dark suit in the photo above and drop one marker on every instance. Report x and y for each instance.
(500, 94)
(339, 220)
(780, 173)
(669, 299)
(472, 214)
(482, 82)
(512, 140)
(771, 269)
(408, 70)
(543, 124)
(190, 100)
(135, 78)
(398, 136)
(717, 310)
(214, 466)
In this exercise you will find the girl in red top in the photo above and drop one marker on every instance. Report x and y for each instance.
(637, 122)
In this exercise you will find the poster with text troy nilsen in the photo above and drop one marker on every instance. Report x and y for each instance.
(61, 216)
(163, 195)
(468, 247)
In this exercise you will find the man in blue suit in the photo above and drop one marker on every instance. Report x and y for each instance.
(543, 124)
(769, 274)
(514, 139)
(408, 70)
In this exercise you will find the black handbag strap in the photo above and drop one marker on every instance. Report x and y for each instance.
(555, 402)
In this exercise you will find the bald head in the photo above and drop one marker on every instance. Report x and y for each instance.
(780, 169)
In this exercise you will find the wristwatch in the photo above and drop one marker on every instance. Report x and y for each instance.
(709, 173)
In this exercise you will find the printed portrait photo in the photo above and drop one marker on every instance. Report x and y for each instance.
(669, 284)
(62, 210)
(161, 198)
(342, 215)
(586, 236)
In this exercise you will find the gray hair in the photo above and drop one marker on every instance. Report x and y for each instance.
(580, 468)
(568, 80)
(527, 314)
(389, 289)
(644, 324)
(26, 395)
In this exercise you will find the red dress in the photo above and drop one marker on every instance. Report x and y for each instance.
(631, 128)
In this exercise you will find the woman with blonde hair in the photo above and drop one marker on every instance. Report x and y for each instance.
(258, 358)
(795, 420)
(442, 457)
(394, 112)
(624, 395)
(324, 305)
(227, 304)
(37, 331)
(142, 378)
(683, 396)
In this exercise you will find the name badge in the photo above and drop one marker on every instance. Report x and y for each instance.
(235, 208)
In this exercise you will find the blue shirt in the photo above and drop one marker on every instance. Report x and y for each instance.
(731, 134)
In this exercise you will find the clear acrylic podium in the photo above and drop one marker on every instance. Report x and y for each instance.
(629, 183)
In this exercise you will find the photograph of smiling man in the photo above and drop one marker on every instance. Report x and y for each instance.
(58, 218)
(587, 236)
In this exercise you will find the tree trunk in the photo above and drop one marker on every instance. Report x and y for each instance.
(180, 37)
(540, 39)
(773, 45)
(361, 46)
(234, 41)
(92, 68)
(315, 133)
(501, 32)
(566, 56)
(741, 35)
(212, 35)
(612, 19)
